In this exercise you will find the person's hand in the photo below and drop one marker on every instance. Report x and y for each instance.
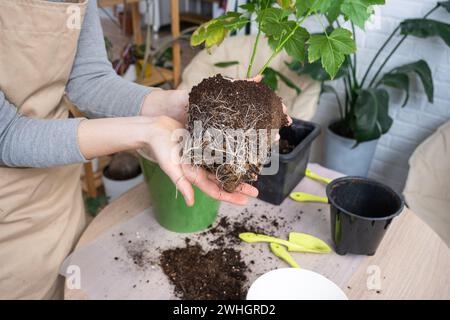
(169, 103)
(163, 149)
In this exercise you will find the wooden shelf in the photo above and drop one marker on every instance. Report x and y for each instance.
(159, 75)
(96, 176)
(193, 18)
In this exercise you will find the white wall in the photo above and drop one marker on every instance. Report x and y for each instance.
(419, 118)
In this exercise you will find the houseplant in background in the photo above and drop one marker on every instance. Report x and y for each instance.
(121, 174)
(351, 140)
(281, 22)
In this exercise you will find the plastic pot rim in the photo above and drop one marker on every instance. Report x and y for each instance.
(342, 138)
(305, 142)
(372, 181)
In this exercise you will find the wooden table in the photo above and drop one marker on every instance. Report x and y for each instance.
(412, 262)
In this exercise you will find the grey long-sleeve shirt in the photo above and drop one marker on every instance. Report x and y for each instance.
(93, 87)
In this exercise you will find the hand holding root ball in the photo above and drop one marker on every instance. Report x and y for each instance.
(220, 104)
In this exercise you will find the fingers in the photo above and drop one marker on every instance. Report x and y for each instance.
(199, 177)
(243, 188)
(287, 116)
(257, 78)
(248, 190)
(181, 182)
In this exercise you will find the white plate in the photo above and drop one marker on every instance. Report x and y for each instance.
(294, 284)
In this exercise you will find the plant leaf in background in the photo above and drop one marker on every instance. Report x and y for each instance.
(331, 49)
(226, 64)
(371, 117)
(445, 4)
(295, 46)
(315, 70)
(424, 28)
(271, 77)
(286, 4)
(421, 69)
(213, 32)
(398, 81)
(357, 11)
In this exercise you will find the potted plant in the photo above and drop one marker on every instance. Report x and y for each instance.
(351, 140)
(121, 174)
(281, 22)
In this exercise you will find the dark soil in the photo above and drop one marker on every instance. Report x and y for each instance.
(222, 104)
(200, 275)
(342, 129)
(123, 166)
(286, 147)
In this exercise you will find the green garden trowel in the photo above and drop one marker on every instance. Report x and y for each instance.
(306, 197)
(283, 254)
(298, 242)
(315, 176)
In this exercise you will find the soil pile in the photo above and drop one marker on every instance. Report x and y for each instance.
(220, 104)
(200, 275)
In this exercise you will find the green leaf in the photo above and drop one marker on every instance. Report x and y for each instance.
(422, 69)
(249, 7)
(213, 32)
(358, 11)
(334, 11)
(445, 4)
(398, 81)
(271, 77)
(226, 64)
(286, 4)
(315, 70)
(295, 46)
(331, 49)
(424, 28)
(302, 7)
(272, 21)
(371, 117)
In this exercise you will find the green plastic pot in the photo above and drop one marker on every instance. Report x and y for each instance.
(172, 212)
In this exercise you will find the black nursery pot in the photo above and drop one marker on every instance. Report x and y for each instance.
(275, 188)
(361, 212)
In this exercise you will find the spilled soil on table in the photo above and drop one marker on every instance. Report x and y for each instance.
(204, 275)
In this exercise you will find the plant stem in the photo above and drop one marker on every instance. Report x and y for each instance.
(278, 49)
(346, 98)
(281, 45)
(355, 62)
(392, 52)
(255, 46)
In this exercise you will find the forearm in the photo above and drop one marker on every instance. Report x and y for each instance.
(101, 137)
(93, 85)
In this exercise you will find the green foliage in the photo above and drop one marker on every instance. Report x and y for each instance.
(281, 22)
(370, 118)
(331, 49)
(331, 54)
(424, 28)
(226, 64)
(364, 115)
(398, 78)
(271, 77)
(213, 32)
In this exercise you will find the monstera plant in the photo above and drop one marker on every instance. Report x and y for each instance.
(364, 109)
(364, 112)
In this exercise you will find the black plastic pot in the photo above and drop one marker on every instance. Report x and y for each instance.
(275, 188)
(361, 212)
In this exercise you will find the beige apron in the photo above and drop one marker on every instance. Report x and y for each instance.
(41, 210)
